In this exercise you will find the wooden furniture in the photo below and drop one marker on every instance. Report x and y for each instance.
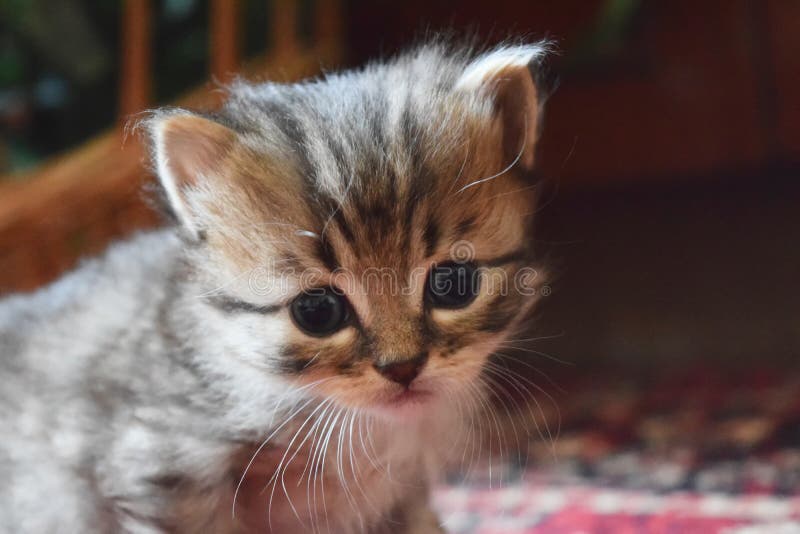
(75, 204)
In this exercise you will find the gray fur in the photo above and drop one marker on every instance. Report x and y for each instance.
(129, 398)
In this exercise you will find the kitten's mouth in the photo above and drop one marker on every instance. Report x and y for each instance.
(409, 396)
(405, 401)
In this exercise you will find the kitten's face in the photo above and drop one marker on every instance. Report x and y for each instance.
(378, 221)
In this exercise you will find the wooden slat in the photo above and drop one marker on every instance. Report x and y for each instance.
(224, 40)
(784, 42)
(135, 77)
(284, 27)
(328, 25)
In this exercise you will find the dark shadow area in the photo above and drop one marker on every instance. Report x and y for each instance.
(674, 274)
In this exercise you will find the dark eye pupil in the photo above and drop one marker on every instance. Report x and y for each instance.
(320, 312)
(453, 285)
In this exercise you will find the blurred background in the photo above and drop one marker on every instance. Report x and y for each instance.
(669, 201)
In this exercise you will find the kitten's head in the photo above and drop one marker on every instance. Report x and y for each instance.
(367, 232)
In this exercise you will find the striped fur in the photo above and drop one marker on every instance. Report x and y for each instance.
(175, 362)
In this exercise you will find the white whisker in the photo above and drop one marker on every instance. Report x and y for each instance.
(510, 166)
(264, 443)
(281, 469)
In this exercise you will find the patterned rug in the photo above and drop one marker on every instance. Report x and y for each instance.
(696, 452)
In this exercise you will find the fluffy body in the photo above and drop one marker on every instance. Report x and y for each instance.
(138, 389)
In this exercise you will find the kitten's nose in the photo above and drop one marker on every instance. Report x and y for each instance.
(402, 371)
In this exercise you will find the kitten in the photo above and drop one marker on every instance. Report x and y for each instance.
(346, 258)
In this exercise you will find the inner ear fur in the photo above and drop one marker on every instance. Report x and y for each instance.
(506, 75)
(187, 149)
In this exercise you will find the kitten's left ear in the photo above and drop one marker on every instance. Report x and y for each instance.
(188, 151)
(506, 75)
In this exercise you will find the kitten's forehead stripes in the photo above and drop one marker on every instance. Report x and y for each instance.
(466, 225)
(431, 236)
(282, 118)
(375, 153)
(294, 130)
(336, 216)
(327, 254)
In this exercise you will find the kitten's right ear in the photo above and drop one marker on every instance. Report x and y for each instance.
(506, 74)
(187, 150)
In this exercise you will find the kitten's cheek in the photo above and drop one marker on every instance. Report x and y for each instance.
(354, 390)
(456, 347)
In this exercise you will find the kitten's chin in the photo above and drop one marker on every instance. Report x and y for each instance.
(406, 404)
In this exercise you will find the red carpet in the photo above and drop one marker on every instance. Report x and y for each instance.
(699, 452)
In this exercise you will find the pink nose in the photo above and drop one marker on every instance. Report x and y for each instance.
(402, 371)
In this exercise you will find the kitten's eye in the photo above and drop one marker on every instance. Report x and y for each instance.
(452, 285)
(320, 312)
